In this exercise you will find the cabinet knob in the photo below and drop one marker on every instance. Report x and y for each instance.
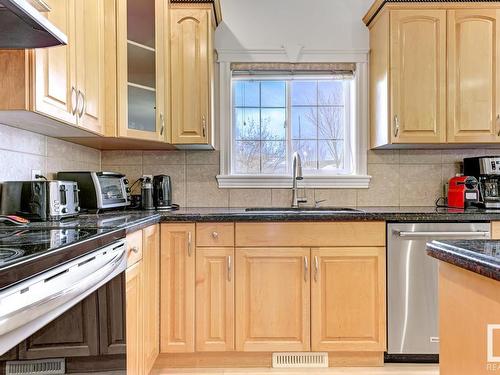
(135, 249)
(215, 235)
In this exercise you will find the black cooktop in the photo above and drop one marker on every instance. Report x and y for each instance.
(20, 244)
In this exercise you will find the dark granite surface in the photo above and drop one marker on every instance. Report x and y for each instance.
(110, 226)
(480, 256)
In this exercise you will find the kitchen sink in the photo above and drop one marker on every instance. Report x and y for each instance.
(302, 210)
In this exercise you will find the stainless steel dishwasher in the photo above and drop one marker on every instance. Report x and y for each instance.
(412, 281)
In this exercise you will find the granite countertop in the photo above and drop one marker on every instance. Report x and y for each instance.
(479, 256)
(113, 225)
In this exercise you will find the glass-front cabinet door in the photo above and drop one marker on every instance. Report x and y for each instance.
(140, 67)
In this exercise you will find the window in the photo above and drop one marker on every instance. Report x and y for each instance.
(277, 109)
(273, 118)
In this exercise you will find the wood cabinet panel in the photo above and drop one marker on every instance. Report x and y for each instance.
(214, 299)
(177, 280)
(55, 67)
(418, 76)
(151, 299)
(473, 75)
(215, 234)
(191, 75)
(134, 312)
(348, 299)
(272, 299)
(89, 23)
(73, 334)
(311, 234)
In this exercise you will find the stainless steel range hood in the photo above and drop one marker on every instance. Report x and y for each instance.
(22, 26)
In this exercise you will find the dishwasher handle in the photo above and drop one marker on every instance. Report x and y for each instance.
(464, 234)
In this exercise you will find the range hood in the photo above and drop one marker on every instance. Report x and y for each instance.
(22, 26)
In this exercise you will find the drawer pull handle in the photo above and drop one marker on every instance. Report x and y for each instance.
(190, 240)
(229, 268)
(306, 268)
(316, 268)
(215, 235)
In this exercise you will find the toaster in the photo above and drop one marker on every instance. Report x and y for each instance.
(100, 190)
(40, 200)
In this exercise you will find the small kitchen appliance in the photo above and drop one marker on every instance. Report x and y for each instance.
(463, 192)
(40, 200)
(147, 194)
(162, 185)
(486, 170)
(100, 190)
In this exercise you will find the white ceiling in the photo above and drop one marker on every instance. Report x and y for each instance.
(314, 24)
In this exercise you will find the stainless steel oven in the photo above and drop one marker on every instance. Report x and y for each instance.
(412, 278)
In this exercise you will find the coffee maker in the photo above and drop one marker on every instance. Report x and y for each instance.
(486, 169)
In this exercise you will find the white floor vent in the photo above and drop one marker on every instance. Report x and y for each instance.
(54, 366)
(300, 360)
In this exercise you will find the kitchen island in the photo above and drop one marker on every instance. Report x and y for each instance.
(469, 306)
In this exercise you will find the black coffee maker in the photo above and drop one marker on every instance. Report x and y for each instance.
(162, 193)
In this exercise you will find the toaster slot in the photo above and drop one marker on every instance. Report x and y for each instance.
(62, 195)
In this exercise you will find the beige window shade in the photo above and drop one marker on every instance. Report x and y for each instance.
(335, 69)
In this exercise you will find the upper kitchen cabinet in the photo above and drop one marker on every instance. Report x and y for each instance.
(473, 75)
(64, 83)
(140, 69)
(434, 73)
(191, 73)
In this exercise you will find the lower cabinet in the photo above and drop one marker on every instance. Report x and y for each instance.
(348, 299)
(134, 311)
(214, 299)
(177, 288)
(272, 299)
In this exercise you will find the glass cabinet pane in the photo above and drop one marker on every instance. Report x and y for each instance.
(141, 65)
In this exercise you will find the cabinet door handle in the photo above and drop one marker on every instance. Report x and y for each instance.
(135, 249)
(316, 268)
(74, 100)
(190, 238)
(306, 268)
(229, 268)
(396, 126)
(80, 113)
(498, 125)
(204, 125)
(162, 124)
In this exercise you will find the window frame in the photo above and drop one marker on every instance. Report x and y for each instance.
(358, 112)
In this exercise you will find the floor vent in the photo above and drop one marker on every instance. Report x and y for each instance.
(300, 360)
(54, 366)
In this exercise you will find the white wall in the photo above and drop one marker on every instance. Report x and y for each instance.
(314, 24)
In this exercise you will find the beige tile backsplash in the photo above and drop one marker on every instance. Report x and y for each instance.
(22, 151)
(399, 177)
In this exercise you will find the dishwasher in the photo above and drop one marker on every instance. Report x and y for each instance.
(412, 282)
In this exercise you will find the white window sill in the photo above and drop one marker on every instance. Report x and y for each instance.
(280, 181)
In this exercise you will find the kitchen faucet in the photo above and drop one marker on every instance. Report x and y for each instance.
(297, 175)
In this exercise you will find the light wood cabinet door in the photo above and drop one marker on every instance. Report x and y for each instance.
(191, 75)
(348, 299)
(134, 316)
(151, 261)
(55, 68)
(272, 299)
(89, 22)
(177, 288)
(473, 75)
(214, 299)
(418, 76)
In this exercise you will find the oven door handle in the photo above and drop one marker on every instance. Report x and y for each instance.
(73, 294)
(444, 234)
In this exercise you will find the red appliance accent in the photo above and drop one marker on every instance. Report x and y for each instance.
(462, 191)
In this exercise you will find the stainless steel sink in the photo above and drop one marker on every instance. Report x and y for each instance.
(302, 210)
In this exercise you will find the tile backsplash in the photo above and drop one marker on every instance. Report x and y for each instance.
(399, 177)
(22, 151)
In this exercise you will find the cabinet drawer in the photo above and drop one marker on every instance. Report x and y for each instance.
(215, 234)
(134, 247)
(368, 233)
